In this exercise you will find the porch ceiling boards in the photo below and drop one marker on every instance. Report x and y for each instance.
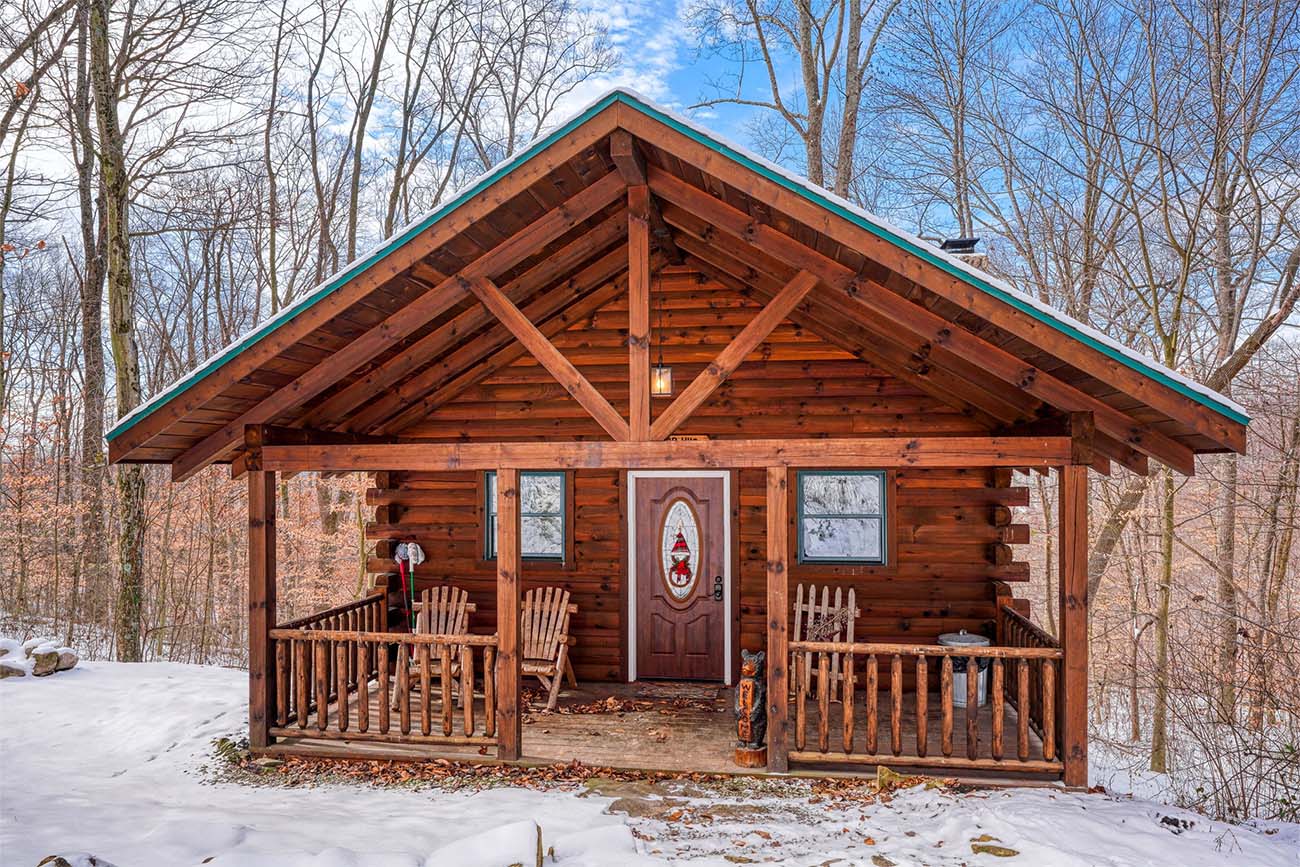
(584, 218)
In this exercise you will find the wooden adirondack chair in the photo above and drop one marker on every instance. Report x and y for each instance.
(444, 611)
(827, 620)
(544, 628)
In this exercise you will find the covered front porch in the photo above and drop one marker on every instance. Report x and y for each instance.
(340, 683)
(681, 728)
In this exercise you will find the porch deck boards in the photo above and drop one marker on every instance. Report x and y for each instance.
(672, 735)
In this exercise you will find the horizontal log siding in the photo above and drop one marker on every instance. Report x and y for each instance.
(950, 527)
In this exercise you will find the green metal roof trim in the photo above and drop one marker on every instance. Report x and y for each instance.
(1026, 304)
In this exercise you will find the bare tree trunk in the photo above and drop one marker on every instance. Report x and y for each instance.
(93, 534)
(117, 196)
(1160, 713)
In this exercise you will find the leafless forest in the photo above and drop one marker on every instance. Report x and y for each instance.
(174, 171)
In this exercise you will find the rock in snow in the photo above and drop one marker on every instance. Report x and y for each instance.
(12, 668)
(517, 843)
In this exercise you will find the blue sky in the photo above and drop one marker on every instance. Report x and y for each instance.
(660, 60)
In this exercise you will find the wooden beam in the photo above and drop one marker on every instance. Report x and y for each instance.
(638, 310)
(403, 322)
(509, 719)
(733, 354)
(879, 301)
(675, 454)
(261, 606)
(487, 362)
(438, 341)
(408, 395)
(875, 348)
(959, 291)
(549, 357)
(778, 613)
(1073, 571)
(365, 281)
(630, 163)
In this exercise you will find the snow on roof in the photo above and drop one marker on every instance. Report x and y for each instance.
(1000, 289)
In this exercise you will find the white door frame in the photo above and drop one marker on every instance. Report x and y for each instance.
(632, 476)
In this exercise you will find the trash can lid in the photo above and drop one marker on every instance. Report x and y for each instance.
(963, 639)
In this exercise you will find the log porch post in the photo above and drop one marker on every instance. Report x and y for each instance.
(778, 638)
(1073, 571)
(509, 721)
(261, 605)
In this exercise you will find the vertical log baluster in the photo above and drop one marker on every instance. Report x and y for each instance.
(1022, 709)
(1049, 709)
(363, 686)
(996, 700)
(282, 681)
(384, 698)
(823, 701)
(322, 683)
(467, 687)
(922, 705)
(896, 705)
(426, 690)
(846, 693)
(873, 705)
(489, 691)
(800, 701)
(302, 678)
(444, 681)
(404, 688)
(972, 707)
(341, 667)
(945, 704)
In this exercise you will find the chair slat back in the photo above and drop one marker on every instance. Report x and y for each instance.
(443, 611)
(824, 619)
(544, 621)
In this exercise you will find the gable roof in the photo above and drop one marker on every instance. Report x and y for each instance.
(579, 135)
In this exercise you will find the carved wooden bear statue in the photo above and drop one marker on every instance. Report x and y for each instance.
(751, 700)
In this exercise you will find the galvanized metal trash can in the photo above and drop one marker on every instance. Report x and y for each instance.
(967, 639)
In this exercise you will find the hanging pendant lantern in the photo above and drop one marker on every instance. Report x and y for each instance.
(661, 375)
(661, 380)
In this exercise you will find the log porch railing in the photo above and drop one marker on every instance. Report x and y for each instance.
(437, 671)
(1017, 630)
(852, 733)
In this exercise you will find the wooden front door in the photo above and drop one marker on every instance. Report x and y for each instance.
(681, 555)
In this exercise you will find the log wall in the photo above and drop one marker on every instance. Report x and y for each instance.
(951, 530)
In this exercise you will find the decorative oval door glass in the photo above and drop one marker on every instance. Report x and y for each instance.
(680, 545)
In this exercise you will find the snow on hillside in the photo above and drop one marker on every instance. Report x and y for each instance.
(104, 759)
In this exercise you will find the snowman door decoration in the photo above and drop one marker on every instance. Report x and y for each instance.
(680, 545)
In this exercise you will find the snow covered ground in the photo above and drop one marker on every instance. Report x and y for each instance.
(105, 759)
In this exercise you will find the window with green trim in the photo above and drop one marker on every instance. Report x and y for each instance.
(842, 516)
(541, 516)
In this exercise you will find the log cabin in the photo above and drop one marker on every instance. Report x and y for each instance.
(640, 364)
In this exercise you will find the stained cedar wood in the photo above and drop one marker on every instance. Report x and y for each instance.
(261, 603)
(932, 279)
(898, 313)
(763, 199)
(939, 578)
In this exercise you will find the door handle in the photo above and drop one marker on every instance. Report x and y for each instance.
(717, 588)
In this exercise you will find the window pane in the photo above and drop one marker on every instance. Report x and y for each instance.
(492, 493)
(541, 494)
(835, 494)
(841, 538)
(542, 536)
